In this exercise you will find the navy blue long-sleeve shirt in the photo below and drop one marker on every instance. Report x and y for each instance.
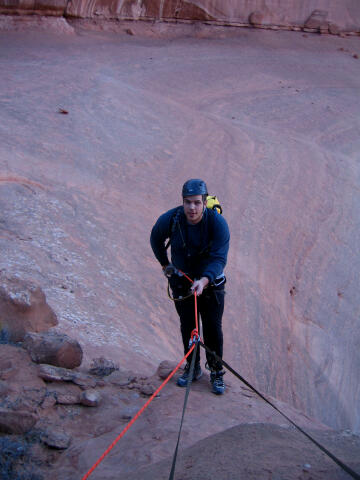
(199, 250)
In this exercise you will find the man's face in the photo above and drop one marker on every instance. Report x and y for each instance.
(194, 208)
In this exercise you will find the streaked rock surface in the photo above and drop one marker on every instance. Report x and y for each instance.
(345, 14)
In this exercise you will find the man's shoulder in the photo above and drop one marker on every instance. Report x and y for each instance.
(169, 215)
(216, 219)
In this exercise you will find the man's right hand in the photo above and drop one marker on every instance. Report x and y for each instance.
(169, 270)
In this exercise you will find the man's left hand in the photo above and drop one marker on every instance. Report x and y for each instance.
(199, 285)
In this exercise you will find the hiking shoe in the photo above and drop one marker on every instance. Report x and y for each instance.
(183, 380)
(217, 382)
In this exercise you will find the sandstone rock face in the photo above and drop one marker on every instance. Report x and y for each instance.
(54, 349)
(285, 13)
(23, 308)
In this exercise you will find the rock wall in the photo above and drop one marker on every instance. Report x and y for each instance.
(100, 131)
(339, 15)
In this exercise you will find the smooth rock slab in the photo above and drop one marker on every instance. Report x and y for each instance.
(120, 378)
(50, 373)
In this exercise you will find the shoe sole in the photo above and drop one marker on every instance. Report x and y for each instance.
(218, 393)
(194, 380)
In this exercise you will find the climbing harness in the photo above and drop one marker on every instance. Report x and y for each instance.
(194, 343)
(179, 299)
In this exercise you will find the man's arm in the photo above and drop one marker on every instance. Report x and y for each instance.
(159, 235)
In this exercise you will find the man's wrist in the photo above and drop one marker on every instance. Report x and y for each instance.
(205, 281)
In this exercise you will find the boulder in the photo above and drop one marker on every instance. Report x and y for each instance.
(49, 401)
(16, 422)
(67, 399)
(120, 378)
(50, 373)
(165, 368)
(317, 20)
(147, 389)
(53, 348)
(256, 18)
(334, 29)
(64, 393)
(23, 308)
(84, 381)
(102, 367)
(90, 398)
(57, 439)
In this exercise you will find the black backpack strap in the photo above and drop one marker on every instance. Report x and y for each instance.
(173, 222)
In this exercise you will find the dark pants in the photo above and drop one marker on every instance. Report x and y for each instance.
(211, 308)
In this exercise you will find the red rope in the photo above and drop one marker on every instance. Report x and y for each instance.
(195, 299)
(188, 278)
(196, 313)
(121, 434)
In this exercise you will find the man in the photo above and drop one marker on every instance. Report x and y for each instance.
(199, 240)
